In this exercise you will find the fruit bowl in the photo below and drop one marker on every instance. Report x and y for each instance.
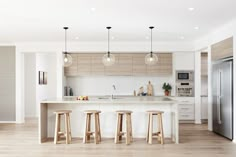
(82, 98)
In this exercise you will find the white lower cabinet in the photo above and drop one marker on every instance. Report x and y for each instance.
(186, 108)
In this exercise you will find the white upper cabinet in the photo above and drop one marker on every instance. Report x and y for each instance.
(184, 61)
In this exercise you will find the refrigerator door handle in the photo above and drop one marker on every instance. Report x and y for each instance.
(219, 99)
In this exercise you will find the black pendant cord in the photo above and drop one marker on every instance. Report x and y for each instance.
(65, 40)
(108, 34)
(151, 27)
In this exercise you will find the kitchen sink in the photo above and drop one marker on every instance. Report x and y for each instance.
(110, 98)
(103, 98)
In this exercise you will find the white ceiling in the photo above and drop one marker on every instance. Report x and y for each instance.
(42, 20)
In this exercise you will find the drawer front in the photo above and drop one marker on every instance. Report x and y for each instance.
(186, 108)
(186, 112)
(186, 116)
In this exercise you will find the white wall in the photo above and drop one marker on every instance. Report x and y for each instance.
(30, 84)
(125, 85)
(46, 63)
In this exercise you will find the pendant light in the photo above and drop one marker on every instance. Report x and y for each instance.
(151, 59)
(67, 59)
(108, 59)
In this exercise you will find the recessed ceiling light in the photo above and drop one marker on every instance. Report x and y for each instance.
(147, 37)
(76, 38)
(196, 28)
(112, 38)
(181, 37)
(93, 9)
(191, 9)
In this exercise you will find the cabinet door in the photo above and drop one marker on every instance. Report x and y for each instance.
(184, 60)
(72, 70)
(97, 67)
(125, 64)
(204, 64)
(84, 64)
(139, 66)
(163, 66)
(222, 49)
(113, 69)
(204, 107)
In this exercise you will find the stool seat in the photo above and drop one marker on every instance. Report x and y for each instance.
(155, 112)
(62, 111)
(124, 111)
(92, 111)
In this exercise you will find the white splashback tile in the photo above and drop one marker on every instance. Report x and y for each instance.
(125, 85)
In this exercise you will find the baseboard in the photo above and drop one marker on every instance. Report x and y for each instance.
(5, 122)
(204, 121)
(186, 121)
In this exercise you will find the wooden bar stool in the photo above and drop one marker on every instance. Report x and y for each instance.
(67, 132)
(159, 133)
(97, 130)
(119, 133)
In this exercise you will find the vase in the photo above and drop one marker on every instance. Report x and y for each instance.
(167, 93)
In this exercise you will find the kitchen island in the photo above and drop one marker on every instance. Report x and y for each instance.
(108, 106)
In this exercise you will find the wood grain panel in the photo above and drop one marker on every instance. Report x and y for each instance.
(222, 49)
(125, 64)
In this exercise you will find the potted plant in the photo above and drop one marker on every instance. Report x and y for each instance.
(167, 88)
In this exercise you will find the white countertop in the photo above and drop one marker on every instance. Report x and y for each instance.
(116, 100)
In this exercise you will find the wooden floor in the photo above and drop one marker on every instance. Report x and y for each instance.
(21, 140)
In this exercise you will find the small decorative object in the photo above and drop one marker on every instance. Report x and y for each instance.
(149, 89)
(134, 92)
(167, 88)
(140, 92)
(40, 77)
(43, 78)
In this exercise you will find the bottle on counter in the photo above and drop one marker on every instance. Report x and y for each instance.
(134, 92)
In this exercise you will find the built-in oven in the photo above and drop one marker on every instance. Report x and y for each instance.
(185, 89)
(182, 75)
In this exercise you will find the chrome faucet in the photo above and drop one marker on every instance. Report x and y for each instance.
(114, 88)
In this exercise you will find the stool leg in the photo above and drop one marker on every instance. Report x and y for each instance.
(130, 126)
(147, 138)
(121, 126)
(161, 128)
(117, 128)
(127, 130)
(69, 125)
(96, 128)
(86, 129)
(150, 129)
(89, 127)
(99, 129)
(56, 129)
(66, 128)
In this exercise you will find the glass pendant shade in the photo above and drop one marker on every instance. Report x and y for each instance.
(67, 60)
(108, 59)
(151, 59)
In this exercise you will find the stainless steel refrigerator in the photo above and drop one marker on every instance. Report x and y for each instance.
(222, 92)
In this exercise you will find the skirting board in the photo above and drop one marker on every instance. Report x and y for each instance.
(5, 122)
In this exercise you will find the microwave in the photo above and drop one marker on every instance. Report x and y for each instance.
(184, 75)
